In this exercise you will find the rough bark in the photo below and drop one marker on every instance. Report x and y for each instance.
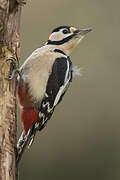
(9, 46)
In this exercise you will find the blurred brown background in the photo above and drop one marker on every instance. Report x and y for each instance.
(82, 140)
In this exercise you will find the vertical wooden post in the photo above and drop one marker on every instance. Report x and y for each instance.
(9, 46)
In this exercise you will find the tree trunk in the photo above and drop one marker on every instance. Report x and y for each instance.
(9, 46)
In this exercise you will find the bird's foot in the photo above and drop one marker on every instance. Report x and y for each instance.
(21, 2)
(13, 68)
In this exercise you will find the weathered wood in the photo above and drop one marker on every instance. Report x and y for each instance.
(9, 46)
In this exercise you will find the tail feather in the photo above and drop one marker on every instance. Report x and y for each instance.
(28, 139)
(23, 141)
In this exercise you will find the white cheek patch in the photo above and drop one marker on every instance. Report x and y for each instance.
(56, 36)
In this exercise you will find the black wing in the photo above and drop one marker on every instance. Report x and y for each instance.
(57, 85)
(59, 80)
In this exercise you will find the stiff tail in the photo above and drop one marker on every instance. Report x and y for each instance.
(25, 140)
(28, 119)
(28, 139)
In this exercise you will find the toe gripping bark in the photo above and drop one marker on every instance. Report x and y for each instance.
(13, 68)
(21, 2)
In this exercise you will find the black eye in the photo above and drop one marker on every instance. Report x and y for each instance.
(66, 31)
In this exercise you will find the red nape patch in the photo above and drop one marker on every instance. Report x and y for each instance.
(49, 36)
(28, 116)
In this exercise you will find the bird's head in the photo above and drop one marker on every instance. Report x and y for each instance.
(66, 37)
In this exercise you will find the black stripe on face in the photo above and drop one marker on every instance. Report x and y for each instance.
(61, 41)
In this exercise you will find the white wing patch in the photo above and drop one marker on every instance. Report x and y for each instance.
(67, 72)
(48, 106)
(65, 85)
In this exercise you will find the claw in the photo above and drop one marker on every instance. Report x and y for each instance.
(21, 2)
(13, 68)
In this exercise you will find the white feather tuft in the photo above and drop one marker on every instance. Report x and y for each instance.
(76, 71)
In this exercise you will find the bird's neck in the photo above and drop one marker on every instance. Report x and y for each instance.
(66, 49)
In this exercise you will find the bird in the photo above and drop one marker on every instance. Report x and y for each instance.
(43, 81)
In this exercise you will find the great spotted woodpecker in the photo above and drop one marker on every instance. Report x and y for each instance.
(44, 79)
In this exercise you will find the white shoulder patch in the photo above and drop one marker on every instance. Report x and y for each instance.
(76, 71)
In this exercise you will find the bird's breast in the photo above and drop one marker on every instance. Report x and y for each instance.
(23, 95)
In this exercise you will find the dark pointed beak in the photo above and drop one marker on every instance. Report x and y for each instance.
(82, 32)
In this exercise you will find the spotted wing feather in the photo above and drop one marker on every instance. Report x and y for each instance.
(57, 85)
